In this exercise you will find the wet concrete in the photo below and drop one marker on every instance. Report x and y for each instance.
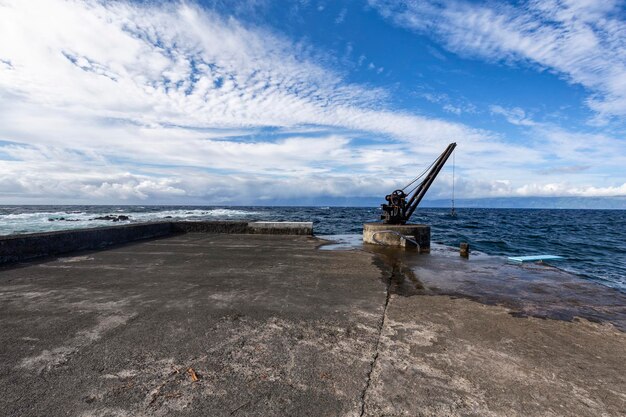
(533, 289)
(396, 234)
(536, 290)
(270, 325)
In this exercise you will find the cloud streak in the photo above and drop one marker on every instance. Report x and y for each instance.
(582, 41)
(181, 65)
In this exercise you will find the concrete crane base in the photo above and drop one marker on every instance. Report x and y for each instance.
(389, 235)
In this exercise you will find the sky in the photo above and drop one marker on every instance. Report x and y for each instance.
(255, 102)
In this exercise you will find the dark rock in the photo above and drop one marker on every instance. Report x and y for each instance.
(109, 217)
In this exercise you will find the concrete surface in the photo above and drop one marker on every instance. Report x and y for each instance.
(440, 356)
(277, 228)
(378, 234)
(270, 325)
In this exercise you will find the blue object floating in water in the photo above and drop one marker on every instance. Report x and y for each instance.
(533, 258)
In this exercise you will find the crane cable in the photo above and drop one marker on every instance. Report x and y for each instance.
(453, 212)
(418, 177)
(416, 187)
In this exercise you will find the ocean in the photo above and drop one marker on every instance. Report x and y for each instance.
(593, 242)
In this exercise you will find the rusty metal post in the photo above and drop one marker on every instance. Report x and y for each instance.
(464, 249)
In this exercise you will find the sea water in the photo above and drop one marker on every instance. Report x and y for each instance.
(592, 242)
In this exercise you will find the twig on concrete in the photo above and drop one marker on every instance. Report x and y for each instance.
(240, 407)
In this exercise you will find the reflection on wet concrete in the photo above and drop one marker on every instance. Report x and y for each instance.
(537, 290)
(342, 242)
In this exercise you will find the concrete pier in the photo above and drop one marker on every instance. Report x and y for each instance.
(36, 245)
(391, 235)
(221, 324)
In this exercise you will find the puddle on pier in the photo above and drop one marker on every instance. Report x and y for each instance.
(342, 242)
(537, 290)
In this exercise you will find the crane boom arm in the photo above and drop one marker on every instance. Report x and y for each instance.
(421, 190)
(399, 210)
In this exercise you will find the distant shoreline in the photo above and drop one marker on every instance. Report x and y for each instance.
(539, 203)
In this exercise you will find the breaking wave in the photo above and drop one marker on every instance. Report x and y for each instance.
(33, 221)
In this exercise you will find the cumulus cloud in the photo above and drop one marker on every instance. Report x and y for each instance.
(565, 189)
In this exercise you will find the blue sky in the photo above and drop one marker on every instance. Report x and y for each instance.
(250, 102)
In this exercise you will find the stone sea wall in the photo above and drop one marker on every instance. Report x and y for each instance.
(17, 248)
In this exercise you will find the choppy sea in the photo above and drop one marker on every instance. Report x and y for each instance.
(593, 242)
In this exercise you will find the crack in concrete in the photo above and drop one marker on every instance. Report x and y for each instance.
(380, 333)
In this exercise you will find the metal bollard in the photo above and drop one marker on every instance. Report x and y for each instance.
(464, 249)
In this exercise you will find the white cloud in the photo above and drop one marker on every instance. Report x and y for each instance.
(341, 16)
(515, 115)
(179, 65)
(583, 41)
(457, 106)
(452, 109)
(568, 190)
(111, 101)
